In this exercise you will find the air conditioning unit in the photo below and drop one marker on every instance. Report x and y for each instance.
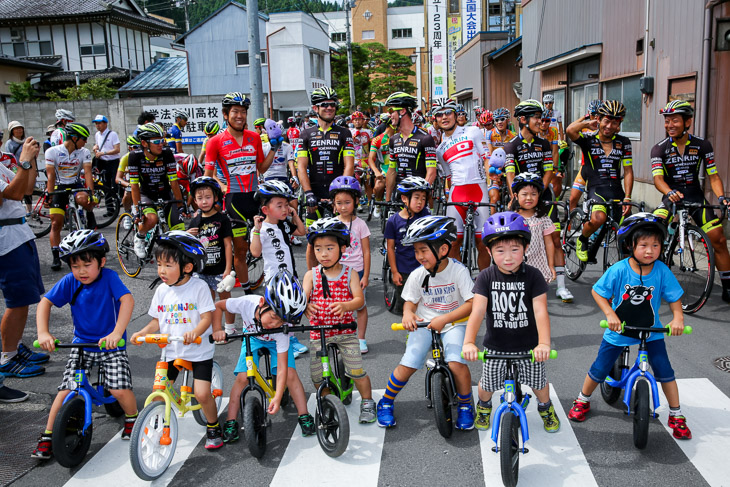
(16, 35)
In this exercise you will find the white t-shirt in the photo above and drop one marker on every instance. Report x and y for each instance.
(111, 141)
(246, 307)
(447, 290)
(178, 309)
(353, 255)
(280, 164)
(275, 250)
(11, 236)
(67, 166)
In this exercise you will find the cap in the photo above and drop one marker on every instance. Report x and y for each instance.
(100, 118)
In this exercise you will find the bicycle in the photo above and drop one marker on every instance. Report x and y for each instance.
(635, 382)
(75, 218)
(154, 436)
(390, 208)
(509, 420)
(440, 196)
(39, 217)
(73, 427)
(365, 176)
(686, 258)
(109, 201)
(469, 255)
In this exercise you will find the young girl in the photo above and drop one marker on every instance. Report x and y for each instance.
(345, 193)
(527, 188)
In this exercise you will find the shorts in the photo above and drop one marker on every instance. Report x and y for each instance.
(59, 201)
(211, 280)
(257, 345)
(174, 219)
(202, 370)
(579, 183)
(20, 276)
(468, 192)
(241, 208)
(349, 347)
(605, 196)
(705, 218)
(529, 373)
(608, 354)
(418, 346)
(114, 368)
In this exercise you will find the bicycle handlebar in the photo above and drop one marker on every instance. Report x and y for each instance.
(157, 203)
(70, 190)
(469, 203)
(389, 204)
(287, 329)
(164, 339)
(120, 343)
(688, 204)
(667, 329)
(484, 356)
(400, 327)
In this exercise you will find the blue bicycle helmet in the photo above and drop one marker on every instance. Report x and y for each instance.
(506, 224)
(527, 179)
(80, 241)
(625, 233)
(411, 184)
(206, 182)
(345, 183)
(271, 189)
(285, 295)
(431, 229)
(190, 247)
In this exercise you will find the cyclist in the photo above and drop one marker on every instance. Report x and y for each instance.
(548, 101)
(153, 176)
(551, 135)
(579, 184)
(461, 154)
(676, 164)
(604, 155)
(379, 160)
(239, 155)
(501, 134)
(486, 125)
(188, 170)
(361, 139)
(174, 133)
(461, 118)
(292, 133)
(122, 178)
(63, 118)
(64, 163)
(258, 126)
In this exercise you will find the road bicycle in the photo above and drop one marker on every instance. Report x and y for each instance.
(635, 382)
(469, 254)
(440, 195)
(73, 427)
(390, 208)
(155, 433)
(366, 175)
(109, 205)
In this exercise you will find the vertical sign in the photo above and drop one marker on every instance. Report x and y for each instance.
(454, 45)
(437, 45)
(472, 19)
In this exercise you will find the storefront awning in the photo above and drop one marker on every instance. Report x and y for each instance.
(581, 52)
(466, 92)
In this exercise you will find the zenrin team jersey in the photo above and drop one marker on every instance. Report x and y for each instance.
(153, 177)
(67, 166)
(600, 169)
(174, 135)
(522, 156)
(412, 155)
(682, 171)
(238, 163)
(462, 154)
(326, 151)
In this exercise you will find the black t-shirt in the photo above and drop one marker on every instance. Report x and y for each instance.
(212, 230)
(412, 155)
(511, 325)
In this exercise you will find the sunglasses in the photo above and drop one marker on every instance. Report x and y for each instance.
(500, 119)
(327, 104)
(441, 114)
(156, 141)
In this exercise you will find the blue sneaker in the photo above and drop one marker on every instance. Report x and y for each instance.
(386, 419)
(31, 357)
(465, 420)
(17, 367)
(297, 347)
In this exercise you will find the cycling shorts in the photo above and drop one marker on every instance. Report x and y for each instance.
(59, 202)
(241, 208)
(172, 212)
(553, 212)
(604, 196)
(705, 218)
(579, 183)
(464, 193)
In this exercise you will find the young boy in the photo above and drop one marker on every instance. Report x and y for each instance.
(631, 291)
(88, 285)
(334, 292)
(513, 295)
(413, 193)
(182, 306)
(440, 291)
(283, 302)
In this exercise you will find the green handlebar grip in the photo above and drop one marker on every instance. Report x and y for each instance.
(553, 354)
(36, 343)
(120, 343)
(604, 324)
(688, 330)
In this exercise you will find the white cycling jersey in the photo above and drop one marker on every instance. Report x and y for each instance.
(67, 166)
(462, 154)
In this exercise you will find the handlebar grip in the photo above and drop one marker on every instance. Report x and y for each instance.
(198, 340)
(604, 324)
(687, 330)
(397, 327)
(37, 344)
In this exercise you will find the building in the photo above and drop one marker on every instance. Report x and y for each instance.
(168, 76)
(19, 70)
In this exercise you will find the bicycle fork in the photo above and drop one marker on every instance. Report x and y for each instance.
(641, 373)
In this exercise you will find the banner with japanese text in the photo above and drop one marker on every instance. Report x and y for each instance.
(437, 41)
(471, 22)
(198, 115)
(454, 45)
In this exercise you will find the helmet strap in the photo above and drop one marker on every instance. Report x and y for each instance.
(432, 272)
(260, 309)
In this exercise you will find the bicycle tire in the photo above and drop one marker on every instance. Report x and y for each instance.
(113, 409)
(609, 393)
(110, 210)
(216, 383)
(611, 250)
(39, 219)
(641, 414)
(509, 448)
(697, 285)
(148, 457)
(255, 270)
(254, 426)
(574, 267)
(128, 260)
(69, 442)
(389, 288)
(333, 427)
(441, 388)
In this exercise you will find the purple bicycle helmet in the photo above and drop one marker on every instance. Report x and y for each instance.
(345, 183)
(506, 224)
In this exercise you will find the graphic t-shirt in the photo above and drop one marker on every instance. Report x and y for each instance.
(275, 248)
(511, 325)
(278, 169)
(212, 232)
(178, 310)
(360, 139)
(246, 307)
(353, 255)
(395, 229)
(11, 236)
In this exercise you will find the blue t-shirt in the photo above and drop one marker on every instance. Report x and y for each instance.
(395, 229)
(96, 308)
(636, 299)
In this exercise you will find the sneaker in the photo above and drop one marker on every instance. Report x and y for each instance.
(367, 411)
(139, 247)
(127, 223)
(564, 295)
(296, 241)
(386, 418)
(12, 395)
(579, 411)
(306, 423)
(580, 251)
(214, 438)
(230, 431)
(128, 426)
(465, 419)
(363, 346)
(17, 367)
(679, 427)
(550, 419)
(376, 212)
(297, 347)
(43, 451)
(726, 295)
(35, 358)
(56, 264)
(484, 416)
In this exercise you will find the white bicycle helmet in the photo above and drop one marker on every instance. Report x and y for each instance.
(62, 114)
(82, 241)
(285, 295)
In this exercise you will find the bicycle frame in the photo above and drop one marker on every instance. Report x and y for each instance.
(438, 365)
(92, 396)
(256, 383)
(629, 377)
(510, 406)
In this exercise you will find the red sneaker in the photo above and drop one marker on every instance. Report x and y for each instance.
(43, 451)
(128, 426)
(579, 411)
(679, 427)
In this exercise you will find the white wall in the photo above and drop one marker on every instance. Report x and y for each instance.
(406, 18)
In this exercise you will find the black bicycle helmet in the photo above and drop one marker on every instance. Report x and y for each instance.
(80, 241)
(678, 107)
(285, 295)
(211, 128)
(323, 94)
(332, 227)
(612, 108)
(150, 131)
(77, 130)
(237, 99)
(527, 179)
(593, 106)
(271, 189)
(206, 182)
(528, 108)
(190, 247)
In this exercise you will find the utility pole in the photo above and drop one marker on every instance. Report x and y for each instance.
(350, 75)
(254, 61)
(184, 4)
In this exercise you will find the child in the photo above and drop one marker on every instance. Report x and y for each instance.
(88, 285)
(182, 305)
(440, 291)
(334, 292)
(527, 188)
(271, 236)
(513, 296)
(413, 193)
(283, 302)
(213, 229)
(621, 293)
(345, 193)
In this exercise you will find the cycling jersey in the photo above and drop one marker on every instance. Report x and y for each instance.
(462, 154)
(683, 171)
(536, 157)
(486, 133)
(380, 147)
(360, 139)
(278, 169)
(293, 135)
(8, 160)
(411, 156)
(551, 135)
(326, 151)
(496, 139)
(435, 134)
(173, 136)
(556, 119)
(600, 169)
(238, 163)
(153, 177)
(58, 137)
(67, 166)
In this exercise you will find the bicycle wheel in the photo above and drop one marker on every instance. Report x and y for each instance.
(641, 414)
(574, 267)
(39, 219)
(389, 289)
(611, 394)
(441, 399)
(693, 266)
(131, 264)
(509, 448)
(255, 270)
(107, 210)
(611, 250)
(70, 443)
(216, 389)
(333, 427)
(149, 457)
(254, 426)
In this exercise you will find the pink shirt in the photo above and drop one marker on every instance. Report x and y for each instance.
(353, 256)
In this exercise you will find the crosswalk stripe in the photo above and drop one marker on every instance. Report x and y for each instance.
(553, 458)
(304, 459)
(708, 415)
(112, 463)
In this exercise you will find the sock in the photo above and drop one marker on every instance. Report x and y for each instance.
(675, 411)
(48, 432)
(560, 272)
(583, 239)
(464, 399)
(140, 235)
(213, 425)
(362, 340)
(6, 356)
(131, 415)
(245, 286)
(583, 397)
(392, 389)
(544, 406)
(725, 280)
(55, 251)
(229, 328)
(485, 404)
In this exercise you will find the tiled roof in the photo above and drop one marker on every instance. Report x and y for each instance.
(115, 74)
(170, 73)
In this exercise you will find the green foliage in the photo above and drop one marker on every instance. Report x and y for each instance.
(22, 92)
(340, 81)
(94, 89)
(405, 3)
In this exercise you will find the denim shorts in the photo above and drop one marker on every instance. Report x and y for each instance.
(608, 354)
(211, 280)
(256, 345)
(418, 346)
(20, 276)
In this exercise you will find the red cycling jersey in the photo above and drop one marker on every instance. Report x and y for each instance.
(237, 163)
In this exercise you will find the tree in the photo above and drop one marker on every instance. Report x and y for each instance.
(340, 81)
(22, 92)
(94, 89)
(388, 72)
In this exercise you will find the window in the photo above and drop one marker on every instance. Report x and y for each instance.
(42, 48)
(584, 71)
(242, 58)
(339, 37)
(316, 61)
(495, 9)
(402, 33)
(368, 35)
(626, 90)
(495, 21)
(92, 50)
